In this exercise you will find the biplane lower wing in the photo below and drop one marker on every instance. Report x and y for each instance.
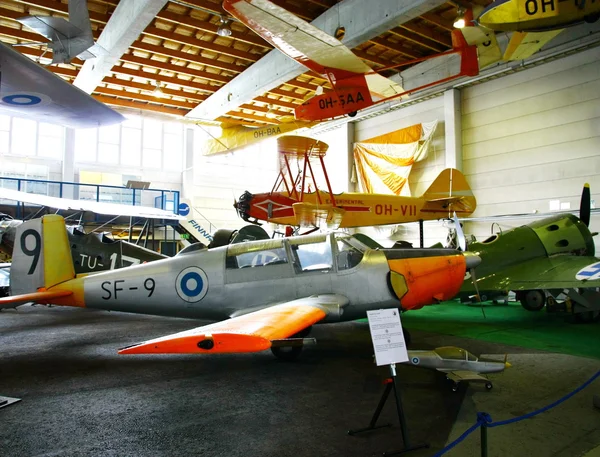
(252, 332)
(308, 214)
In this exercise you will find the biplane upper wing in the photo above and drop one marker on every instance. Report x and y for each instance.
(252, 332)
(114, 209)
(305, 43)
(28, 89)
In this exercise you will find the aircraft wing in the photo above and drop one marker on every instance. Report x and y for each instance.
(29, 90)
(113, 209)
(252, 332)
(524, 44)
(462, 375)
(559, 272)
(53, 28)
(305, 43)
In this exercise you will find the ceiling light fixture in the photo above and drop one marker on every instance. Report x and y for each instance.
(157, 92)
(459, 22)
(224, 29)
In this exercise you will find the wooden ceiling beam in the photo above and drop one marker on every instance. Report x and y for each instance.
(276, 102)
(438, 20)
(192, 58)
(287, 93)
(209, 46)
(418, 40)
(252, 117)
(264, 109)
(151, 87)
(215, 8)
(300, 12)
(425, 32)
(145, 62)
(143, 97)
(204, 26)
(139, 105)
(410, 53)
(58, 7)
(163, 79)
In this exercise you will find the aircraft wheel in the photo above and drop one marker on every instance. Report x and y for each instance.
(532, 300)
(287, 354)
(591, 18)
(454, 387)
(489, 385)
(352, 113)
(587, 317)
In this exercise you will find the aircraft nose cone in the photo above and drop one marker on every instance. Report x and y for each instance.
(472, 260)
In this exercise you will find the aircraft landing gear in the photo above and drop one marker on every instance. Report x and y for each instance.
(532, 300)
(489, 386)
(287, 354)
(291, 353)
(454, 387)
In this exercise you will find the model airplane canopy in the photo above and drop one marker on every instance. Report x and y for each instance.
(29, 90)
(88, 205)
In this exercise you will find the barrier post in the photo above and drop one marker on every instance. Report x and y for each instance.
(484, 452)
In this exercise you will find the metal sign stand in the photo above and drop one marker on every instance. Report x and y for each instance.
(391, 384)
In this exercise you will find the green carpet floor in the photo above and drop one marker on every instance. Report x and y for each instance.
(508, 325)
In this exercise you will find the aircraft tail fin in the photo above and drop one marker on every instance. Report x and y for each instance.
(41, 255)
(450, 192)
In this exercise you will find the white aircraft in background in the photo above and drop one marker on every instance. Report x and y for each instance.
(68, 38)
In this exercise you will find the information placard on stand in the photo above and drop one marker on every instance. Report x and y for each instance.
(390, 348)
(387, 336)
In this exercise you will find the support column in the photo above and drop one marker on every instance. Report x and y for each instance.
(68, 164)
(350, 142)
(453, 128)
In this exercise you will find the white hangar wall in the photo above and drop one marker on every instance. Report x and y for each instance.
(532, 138)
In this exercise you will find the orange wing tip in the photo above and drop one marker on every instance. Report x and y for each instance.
(219, 343)
(40, 296)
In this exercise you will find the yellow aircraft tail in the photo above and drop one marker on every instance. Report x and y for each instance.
(449, 193)
(41, 256)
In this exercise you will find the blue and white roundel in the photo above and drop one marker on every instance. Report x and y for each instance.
(590, 272)
(191, 284)
(23, 100)
(415, 360)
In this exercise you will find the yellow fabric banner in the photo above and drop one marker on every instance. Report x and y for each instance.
(383, 163)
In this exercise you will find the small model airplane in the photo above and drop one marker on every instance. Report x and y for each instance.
(533, 23)
(266, 293)
(355, 85)
(28, 89)
(292, 200)
(234, 137)
(541, 261)
(458, 364)
(68, 39)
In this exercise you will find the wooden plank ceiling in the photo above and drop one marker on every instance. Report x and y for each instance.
(181, 51)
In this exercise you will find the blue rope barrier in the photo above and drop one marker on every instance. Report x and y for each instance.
(484, 419)
(546, 408)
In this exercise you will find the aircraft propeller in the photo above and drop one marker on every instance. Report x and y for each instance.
(462, 244)
(585, 205)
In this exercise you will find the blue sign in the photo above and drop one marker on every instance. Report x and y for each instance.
(184, 209)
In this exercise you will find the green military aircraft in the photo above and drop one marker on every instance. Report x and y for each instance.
(548, 262)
